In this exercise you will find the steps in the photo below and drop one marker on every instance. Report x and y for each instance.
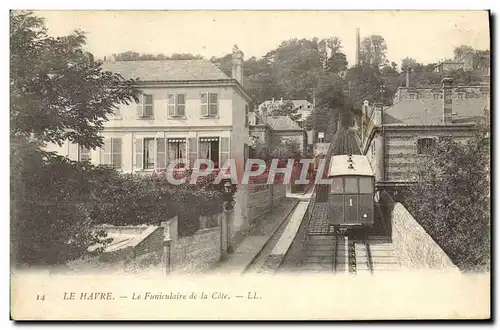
(318, 255)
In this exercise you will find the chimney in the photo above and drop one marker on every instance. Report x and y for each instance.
(237, 73)
(378, 114)
(447, 99)
(358, 46)
(408, 77)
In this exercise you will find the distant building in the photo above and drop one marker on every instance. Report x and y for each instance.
(273, 131)
(303, 107)
(394, 138)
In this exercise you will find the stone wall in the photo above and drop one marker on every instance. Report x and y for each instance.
(146, 240)
(260, 200)
(279, 193)
(196, 253)
(414, 247)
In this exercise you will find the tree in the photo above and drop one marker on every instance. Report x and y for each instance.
(461, 51)
(408, 63)
(451, 198)
(58, 93)
(296, 66)
(323, 119)
(373, 51)
(337, 61)
(365, 82)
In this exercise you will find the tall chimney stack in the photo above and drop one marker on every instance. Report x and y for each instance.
(447, 100)
(237, 72)
(358, 45)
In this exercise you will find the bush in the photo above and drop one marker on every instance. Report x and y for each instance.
(49, 224)
(451, 200)
(56, 203)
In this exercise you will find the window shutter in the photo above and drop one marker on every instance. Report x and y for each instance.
(224, 150)
(181, 104)
(73, 151)
(138, 153)
(193, 150)
(213, 101)
(160, 153)
(204, 104)
(148, 110)
(116, 146)
(140, 105)
(106, 152)
(246, 115)
(171, 104)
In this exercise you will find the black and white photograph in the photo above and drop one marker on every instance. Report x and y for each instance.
(234, 161)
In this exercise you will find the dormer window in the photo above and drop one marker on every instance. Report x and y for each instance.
(413, 96)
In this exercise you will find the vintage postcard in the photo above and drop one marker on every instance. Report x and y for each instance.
(250, 165)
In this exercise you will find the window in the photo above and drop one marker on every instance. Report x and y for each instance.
(365, 185)
(214, 148)
(461, 95)
(209, 104)
(351, 185)
(112, 152)
(145, 106)
(176, 104)
(412, 96)
(337, 186)
(485, 95)
(425, 145)
(150, 153)
(176, 149)
(438, 96)
(224, 150)
(83, 154)
(209, 149)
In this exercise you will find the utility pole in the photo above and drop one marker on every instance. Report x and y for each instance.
(382, 92)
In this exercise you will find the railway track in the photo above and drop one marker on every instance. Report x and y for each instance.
(352, 254)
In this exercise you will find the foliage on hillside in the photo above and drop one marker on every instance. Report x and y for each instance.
(451, 199)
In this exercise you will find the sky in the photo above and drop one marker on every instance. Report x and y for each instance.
(427, 36)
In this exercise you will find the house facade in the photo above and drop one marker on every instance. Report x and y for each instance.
(396, 138)
(188, 109)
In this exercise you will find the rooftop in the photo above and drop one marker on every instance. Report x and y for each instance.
(430, 111)
(340, 165)
(167, 70)
(282, 123)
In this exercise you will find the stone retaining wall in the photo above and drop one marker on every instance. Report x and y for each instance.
(414, 247)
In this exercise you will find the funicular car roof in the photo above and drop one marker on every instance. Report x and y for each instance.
(340, 166)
